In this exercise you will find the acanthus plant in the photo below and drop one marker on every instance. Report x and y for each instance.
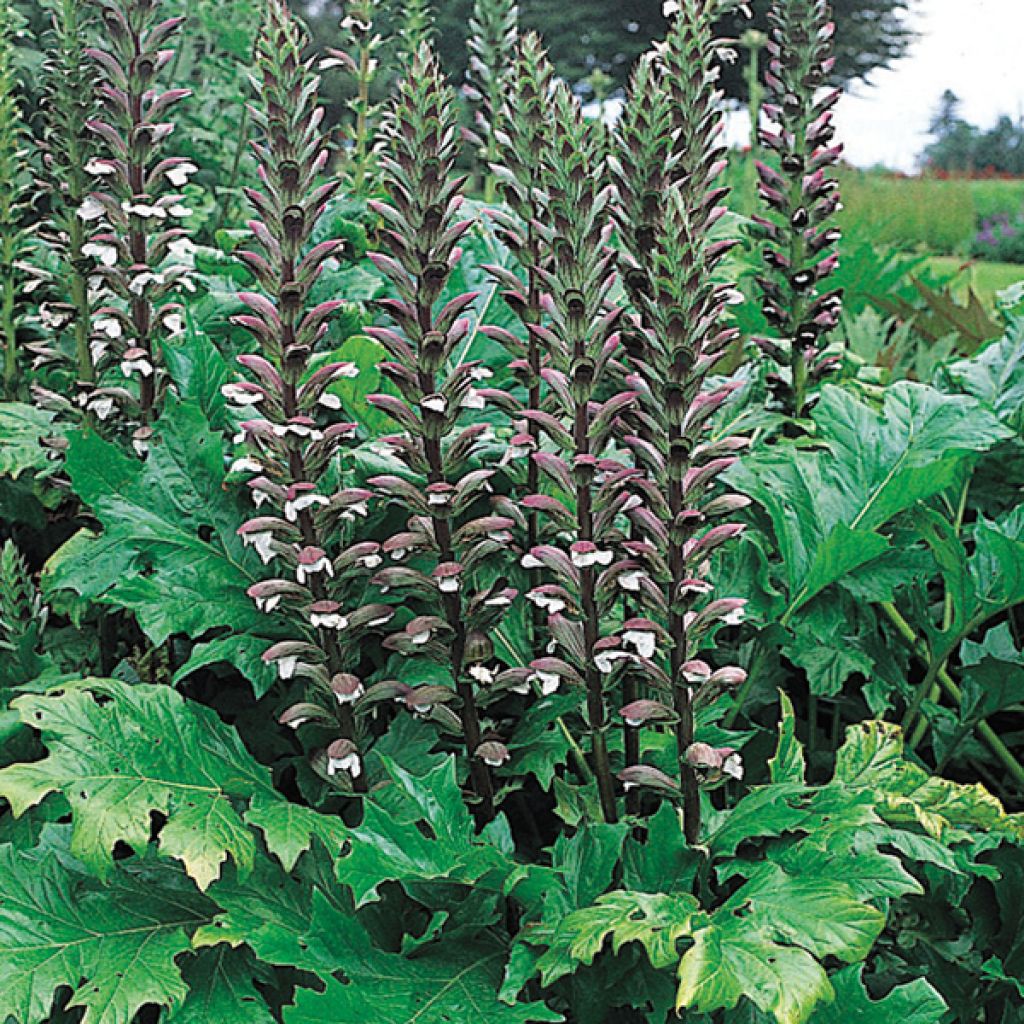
(802, 198)
(668, 160)
(140, 251)
(68, 146)
(13, 205)
(523, 135)
(455, 537)
(584, 484)
(295, 438)
(494, 28)
(362, 62)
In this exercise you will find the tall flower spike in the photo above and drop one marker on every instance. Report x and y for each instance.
(68, 149)
(668, 187)
(451, 531)
(13, 199)
(360, 60)
(135, 202)
(581, 341)
(23, 618)
(417, 27)
(492, 49)
(802, 197)
(293, 436)
(522, 142)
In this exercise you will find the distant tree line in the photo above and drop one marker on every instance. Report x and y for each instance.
(584, 36)
(960, 147)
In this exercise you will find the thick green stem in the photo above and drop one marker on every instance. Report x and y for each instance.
(947, 683)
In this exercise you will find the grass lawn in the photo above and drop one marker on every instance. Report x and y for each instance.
(985, 278)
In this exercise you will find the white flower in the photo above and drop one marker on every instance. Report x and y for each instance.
(349, 763)
(605, 660)
(246, 464)
(370, 561)
(141, 446)
(91, 209)
(106, 254)
(547, 681)
(733, 765)
(734, 617)
(670, 8)
(141, 281)
(108, 325)
(448, 584)
(179, 210)
(591, 557)
(300, 504)
(101, 406)
(182, 249)
(268, 604)
(631, 580)
(727, 55)
(328, 620)
(238, 395)
(140, 365)
(435, 403)
(287, 665)
(304, 571)
(530, 562)
(297, 723)
(329, 401)
(263, 542)
(734, 297)
(422, 637)
(436, 498)
(482, 674)
(498, 601)
(480, 373)
(399, 553)
(100, 167)
(546, 602)
(179, 174)
(357, 508)
(473, 400)
(146, 211)
(174, 322)
(643, 640)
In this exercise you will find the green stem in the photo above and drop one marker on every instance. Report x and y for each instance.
(946, 682)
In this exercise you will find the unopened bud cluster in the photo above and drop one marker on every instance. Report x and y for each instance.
(802, 197)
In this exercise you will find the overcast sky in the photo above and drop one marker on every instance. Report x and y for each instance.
(974, 47)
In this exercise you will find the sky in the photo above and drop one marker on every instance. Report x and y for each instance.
(974, 47)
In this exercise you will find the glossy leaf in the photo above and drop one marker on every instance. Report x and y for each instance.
(119, 753)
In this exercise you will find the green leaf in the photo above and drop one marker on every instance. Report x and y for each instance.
(657, 921)
(221, 989)
(788, 764)
(442, 983)
(827, 506)
(114, 945)
(365, 353)
(118, 753)
(388, 847)
(665, 862)
(22, 430)
(199, 371)
(722, 967)
(995, 376)
(872, 758)
(913, 1003)
(169, 550)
